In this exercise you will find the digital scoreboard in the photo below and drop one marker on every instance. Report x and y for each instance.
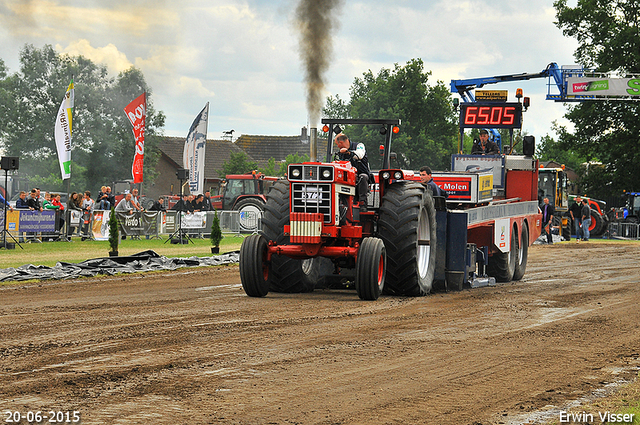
(491, 115)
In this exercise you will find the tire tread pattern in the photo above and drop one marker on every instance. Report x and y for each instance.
(398, 228)
(286, 273)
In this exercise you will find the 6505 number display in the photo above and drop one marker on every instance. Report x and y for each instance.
(491, 115)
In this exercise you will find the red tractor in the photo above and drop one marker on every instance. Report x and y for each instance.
(312, 225)
(244, 193)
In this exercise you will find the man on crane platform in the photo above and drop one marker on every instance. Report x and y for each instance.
(484, 146)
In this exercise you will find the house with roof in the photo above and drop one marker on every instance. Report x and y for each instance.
(262, 148)
(171, 149)
(258, 149)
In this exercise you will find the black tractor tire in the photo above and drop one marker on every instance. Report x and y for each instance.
(145, 202)
(407, 226)
(286, 274)
(254, 270)
(254, 206)
(597, 224)
(523, 253)
(371, 269)
(565, 232)
(502, 265)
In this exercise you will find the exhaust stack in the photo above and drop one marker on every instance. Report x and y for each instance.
(313, 145)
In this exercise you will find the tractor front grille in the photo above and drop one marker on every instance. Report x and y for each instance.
(310, 172)
(312, 198)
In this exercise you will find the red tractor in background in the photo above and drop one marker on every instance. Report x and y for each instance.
(243, 192)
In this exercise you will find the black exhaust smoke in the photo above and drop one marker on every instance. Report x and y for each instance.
(316, 20)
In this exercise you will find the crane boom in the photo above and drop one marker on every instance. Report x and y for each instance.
(464, 87)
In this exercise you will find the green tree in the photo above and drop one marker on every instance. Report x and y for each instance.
(549, 149)
(271, 169)
(238, 163)
(103, 143)
(114, 232)
(292, 158)
(605, 131)
(428, 134)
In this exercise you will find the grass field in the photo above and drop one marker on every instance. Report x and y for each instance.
(49, 253)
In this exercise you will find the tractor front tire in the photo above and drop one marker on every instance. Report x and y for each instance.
(370, 269)
(287, 274)
(407, 226)
(254, 269)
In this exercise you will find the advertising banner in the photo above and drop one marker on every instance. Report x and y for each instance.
(194, 148)
(603, 86)
(13, 220)
(63, 132)
(196, 220)
(100, 225)
(481, 163)
(136, 111)
(37, 221)
(138, 223)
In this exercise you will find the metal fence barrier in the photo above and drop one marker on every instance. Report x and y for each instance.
(44, 226)
(624, 230)
(240, 222)
(230, 222)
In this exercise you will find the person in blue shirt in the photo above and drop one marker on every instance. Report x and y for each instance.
(21, 203)
(4, 202)
(427, 180)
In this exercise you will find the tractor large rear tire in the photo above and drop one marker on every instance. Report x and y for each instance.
(286, 274)
(502, 265)
(597, 224)
(523, 252)
(370, 269)
(250, 210)
(563, 231)
(407, 226)
(254, 271)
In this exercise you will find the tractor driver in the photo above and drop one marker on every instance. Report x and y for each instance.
(357, 155)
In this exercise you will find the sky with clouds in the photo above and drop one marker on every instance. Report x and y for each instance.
(243, 56)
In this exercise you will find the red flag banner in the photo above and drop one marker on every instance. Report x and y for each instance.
(136, 111)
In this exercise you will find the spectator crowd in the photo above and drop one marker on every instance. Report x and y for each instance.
(83, 204)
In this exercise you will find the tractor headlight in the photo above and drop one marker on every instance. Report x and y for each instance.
(326, 173)
(386, 175)
(295, 172)
(397, 175)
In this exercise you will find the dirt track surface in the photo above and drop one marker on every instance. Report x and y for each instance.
(189, 347)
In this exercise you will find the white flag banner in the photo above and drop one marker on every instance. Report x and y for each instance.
(63, 132)
(193, 154)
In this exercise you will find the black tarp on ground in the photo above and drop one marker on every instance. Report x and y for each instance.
(141, 262)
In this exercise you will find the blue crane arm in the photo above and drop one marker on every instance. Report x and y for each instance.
(464, 87)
